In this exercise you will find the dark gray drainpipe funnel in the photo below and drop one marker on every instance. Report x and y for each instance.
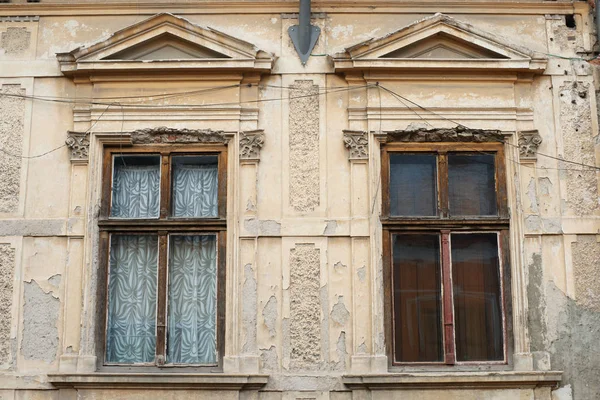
(304, 35)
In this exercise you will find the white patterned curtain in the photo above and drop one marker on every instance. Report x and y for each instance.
(195, 191)
(192, 300)
(131, 331)
(136, 191)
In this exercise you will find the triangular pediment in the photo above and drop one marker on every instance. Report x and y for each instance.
(160, 42)
(165, 47)
(439, 42)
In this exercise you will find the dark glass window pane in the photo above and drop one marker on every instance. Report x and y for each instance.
(472, 184)
(413, 188)
(131, 325)
(477, 298)
(195, 186)
(192, 300)
(136, 187)
(417, 298)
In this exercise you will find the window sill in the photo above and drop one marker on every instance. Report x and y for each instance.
(453, 380)
(159, 381)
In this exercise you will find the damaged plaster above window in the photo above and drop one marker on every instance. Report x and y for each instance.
(457, 134)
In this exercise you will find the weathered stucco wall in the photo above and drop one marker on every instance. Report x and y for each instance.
(304, 252)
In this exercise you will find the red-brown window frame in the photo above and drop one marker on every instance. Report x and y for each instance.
(444, 225)
(163, 227)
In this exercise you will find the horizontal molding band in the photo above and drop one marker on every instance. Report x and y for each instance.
(164, 381)
(441, 381)
(115, 7)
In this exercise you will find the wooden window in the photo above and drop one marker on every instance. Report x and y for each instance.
(163, 230)
(445, 241)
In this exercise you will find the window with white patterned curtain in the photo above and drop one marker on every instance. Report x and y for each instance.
(163, 227)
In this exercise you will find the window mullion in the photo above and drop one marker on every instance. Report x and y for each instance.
(449, 356)
(443, 184)
(165, 186)
(161, 312)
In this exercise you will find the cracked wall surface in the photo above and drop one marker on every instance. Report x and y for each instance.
(305, 325)
(304, 146)
(40, 318)
(576, 127)
(12, 130)
(7, 267)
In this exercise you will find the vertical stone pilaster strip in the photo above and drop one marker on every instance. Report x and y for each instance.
(11, 141)
(305, 319)
(304, 181)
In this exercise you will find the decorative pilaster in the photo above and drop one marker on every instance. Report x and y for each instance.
(358, 144)
(529, 141)
(79, 143)
(250, 144)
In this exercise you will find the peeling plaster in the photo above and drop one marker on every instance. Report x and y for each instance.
(249, 302)
(362, 273)
(339, 313)
(340, 349)
(531, 193)
(330, 228)
(40, 318)
(339, 268)
(262, 228)
(270, 316)
(269, 359)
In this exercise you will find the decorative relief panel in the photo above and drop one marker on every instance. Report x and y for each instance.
(305, 186)
(250, 144)
(79, 143)
(529, 141)
(12, 130)
(305, 324)
(358, 144)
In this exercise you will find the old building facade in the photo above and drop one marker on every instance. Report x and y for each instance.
(189, 211)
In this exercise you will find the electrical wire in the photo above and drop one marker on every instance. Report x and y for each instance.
(122, 106)
(591, 167)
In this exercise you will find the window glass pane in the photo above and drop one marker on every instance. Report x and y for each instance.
(472, 184)
(417, 298)
(195, 186)
(192, 300)
(136, 187)
(413, 188)
(477, 298)
(131, 328)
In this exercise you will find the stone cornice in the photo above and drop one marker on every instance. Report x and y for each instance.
(149, 381)
(115, 7)
(456, 380)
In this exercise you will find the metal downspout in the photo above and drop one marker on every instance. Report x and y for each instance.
(304, 35)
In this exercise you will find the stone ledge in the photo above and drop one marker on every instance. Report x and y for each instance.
(151, 381)
(456, 380)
